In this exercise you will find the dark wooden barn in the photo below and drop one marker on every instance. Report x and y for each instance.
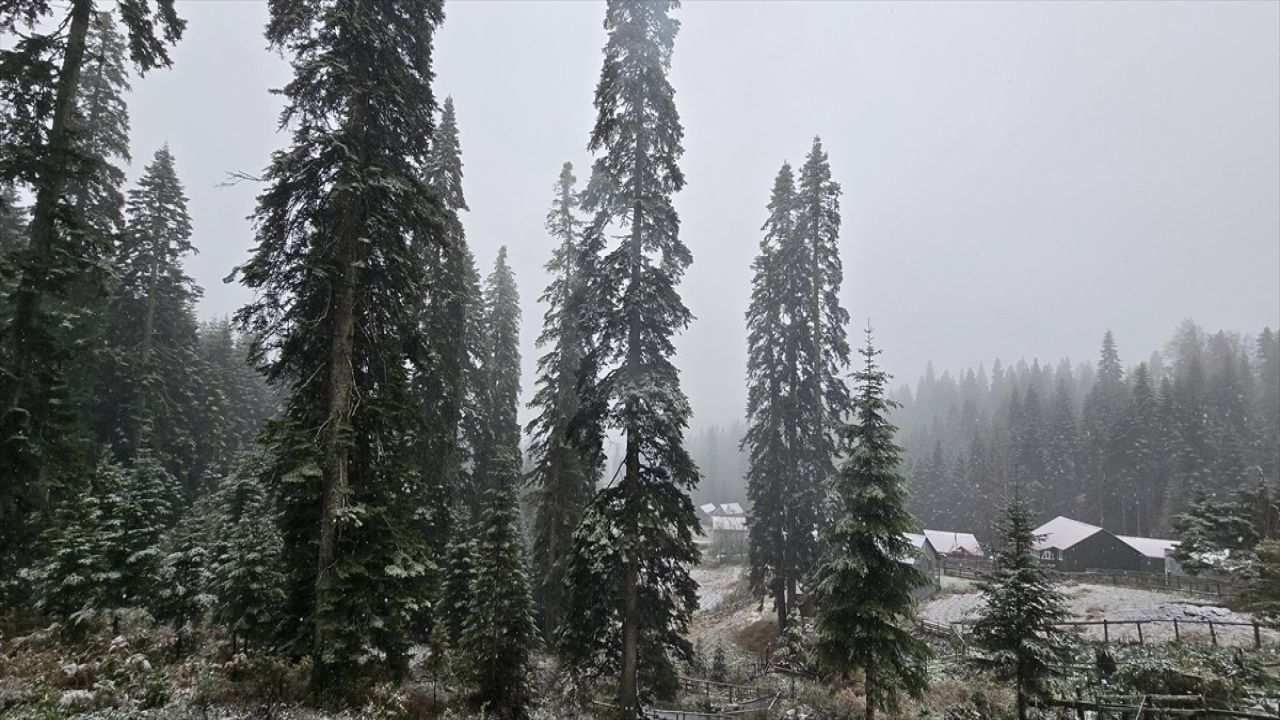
(1076, 546)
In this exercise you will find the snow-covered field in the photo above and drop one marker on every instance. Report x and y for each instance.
(724, 609)
(714, 583)
(1098, 602)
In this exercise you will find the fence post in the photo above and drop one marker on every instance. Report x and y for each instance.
(1257, 636)
(1177, 637)
(1106, 633)
(1213, 636)
(1139, 632)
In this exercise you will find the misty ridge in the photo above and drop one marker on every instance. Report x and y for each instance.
(401, 359)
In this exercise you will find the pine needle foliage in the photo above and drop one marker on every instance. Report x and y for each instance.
(338, 278)
(862, 588)
(563, 472)
(499, 633)
(631, 594)
(1015, 628)
(450, 316)
(455, 603)
(44, 453)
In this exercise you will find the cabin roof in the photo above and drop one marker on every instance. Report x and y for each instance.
(947, 542)
(1063, 532)
(1150, 547)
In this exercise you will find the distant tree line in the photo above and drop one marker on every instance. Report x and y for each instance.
(1124, 447)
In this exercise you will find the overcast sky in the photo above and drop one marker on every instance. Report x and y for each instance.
(1017, 177)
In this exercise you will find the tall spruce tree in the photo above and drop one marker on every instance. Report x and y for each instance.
(101, 126)
(1142, 459)
(337, 279)
(629, 607)
(822, 392)
(784, 503)
(498, 428)
(149, 395)
(1016, 627)
(450, 311)
(41, 77)
(563, 473)
(1102, 415)
(499, 631)
(455, 600)
(1267, 402)
(236, 398)
(96, 197)
(862, 587)
(1062, 447)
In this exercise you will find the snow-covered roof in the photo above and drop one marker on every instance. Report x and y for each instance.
(1150, 547)
(1063, 532)
(707, 508)
(918, 542)
(730, 509)
(728, 522)
(947, 542)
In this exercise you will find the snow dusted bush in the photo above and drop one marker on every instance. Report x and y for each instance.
(76, 700)
(386, 702)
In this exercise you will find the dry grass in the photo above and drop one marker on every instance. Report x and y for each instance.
(758, 636)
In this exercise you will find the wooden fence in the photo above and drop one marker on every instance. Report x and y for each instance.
(1155, 706)
(742, 702)
(1115, 628)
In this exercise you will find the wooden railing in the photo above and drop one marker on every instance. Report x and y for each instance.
(1179, 626)
(743, 702)
(1162, 706)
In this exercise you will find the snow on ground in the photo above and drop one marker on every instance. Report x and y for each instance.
(1098, 602)
(725, 608)
(714, 583)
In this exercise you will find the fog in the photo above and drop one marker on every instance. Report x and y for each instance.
(1017, 177)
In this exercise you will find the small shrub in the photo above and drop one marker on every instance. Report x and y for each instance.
(386, 702)
(818, 702)
(719, 665)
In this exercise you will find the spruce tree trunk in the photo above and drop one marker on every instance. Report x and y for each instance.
(792, 602)
(782, 572)
(871, 696)
(627, 690)
(780, 604)
(144, 358)
(336, 482)
(43, 230)
(816, 270)
(628, 697)
(1021, 691)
